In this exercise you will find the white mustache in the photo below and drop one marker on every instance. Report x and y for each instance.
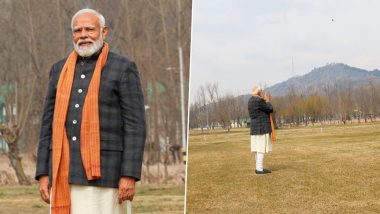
(80, 41)
(88, 50)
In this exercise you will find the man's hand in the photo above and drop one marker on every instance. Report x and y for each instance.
(44, 188)
(126, 188)
(267, 97)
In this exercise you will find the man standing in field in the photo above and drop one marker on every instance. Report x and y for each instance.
(93, 126)
(259, 109)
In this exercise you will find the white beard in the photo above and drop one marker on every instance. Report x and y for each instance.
(87, 51)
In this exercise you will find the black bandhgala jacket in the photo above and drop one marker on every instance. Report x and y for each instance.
(259, 112)
(121, 115)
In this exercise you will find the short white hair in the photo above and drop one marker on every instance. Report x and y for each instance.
(256, 89)
(102, 20)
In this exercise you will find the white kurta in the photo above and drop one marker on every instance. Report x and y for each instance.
(95, 200)
(261, 143)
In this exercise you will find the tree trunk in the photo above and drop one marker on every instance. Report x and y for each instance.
(15, 159)
(166, 162)
(11, 138)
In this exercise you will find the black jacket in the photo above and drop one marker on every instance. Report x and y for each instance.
(259, 111)
(121, 115)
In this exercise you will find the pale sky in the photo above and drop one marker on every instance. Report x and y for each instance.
(238, 43)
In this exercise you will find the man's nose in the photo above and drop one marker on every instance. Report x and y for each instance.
(83, 34)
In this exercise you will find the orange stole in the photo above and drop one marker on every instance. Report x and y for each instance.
(272, 127)
(90, 133)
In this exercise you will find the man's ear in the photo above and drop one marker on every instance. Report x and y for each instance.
(104, 32)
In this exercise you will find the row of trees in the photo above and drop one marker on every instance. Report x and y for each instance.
(211, 108)
(336, 103)
(37, 33)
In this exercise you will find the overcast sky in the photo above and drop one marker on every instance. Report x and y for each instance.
(238, 43)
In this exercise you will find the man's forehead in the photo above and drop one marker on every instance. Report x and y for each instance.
(84, 25)
(86, 20)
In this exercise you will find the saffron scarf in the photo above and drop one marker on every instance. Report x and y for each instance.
(89, 132)
(272, 127)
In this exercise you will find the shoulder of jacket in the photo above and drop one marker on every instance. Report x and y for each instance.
(57, 67)
(123, 63)
(60, 63)
(119, 58)
(255, 98)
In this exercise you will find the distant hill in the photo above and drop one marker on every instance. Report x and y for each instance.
(334, 73)
(376, 72)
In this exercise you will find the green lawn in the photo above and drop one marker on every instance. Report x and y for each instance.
(334, 169)
(149, 199)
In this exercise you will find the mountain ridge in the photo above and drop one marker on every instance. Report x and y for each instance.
(330, 74)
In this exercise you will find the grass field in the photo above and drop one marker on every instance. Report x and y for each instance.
(334, 169)
(149, 199)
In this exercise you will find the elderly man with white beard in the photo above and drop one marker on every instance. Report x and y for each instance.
(260, 109)
(93, 126)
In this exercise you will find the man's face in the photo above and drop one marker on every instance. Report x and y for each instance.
(87, 35)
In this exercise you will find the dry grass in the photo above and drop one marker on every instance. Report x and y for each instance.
(150, 199)
(158, 194)
(335, 169)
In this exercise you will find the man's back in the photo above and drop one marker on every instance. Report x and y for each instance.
(259, 112)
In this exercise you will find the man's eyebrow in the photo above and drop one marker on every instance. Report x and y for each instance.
(85, 26)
